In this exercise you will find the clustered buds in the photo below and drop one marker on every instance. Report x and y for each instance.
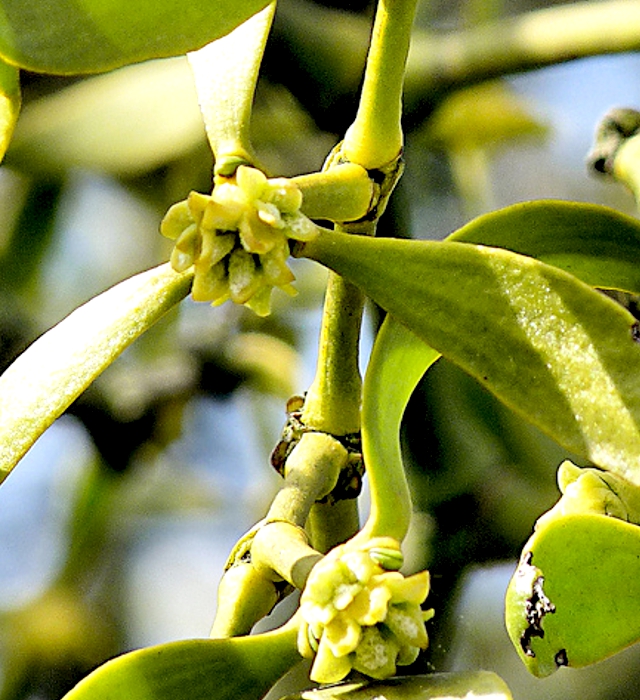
(237, 238)
(359, 615)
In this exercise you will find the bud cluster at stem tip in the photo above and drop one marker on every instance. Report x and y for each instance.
(357, 614)
(237, 238)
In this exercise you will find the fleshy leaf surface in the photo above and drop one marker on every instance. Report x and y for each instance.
(226, 73)
(88, 36)
(574, 599)
(241, 668)
(550, 347)
(398, 361)
(57, 367)
(597, 244)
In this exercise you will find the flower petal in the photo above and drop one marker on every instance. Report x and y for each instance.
(412, 589)
(370, 606)
(342, 635)
(328, 668)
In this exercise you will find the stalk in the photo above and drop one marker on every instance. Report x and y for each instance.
(332, 404)
(375, 138)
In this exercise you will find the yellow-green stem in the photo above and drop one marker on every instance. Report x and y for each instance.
(331, 524)
(342, 192)
(375, 138)
(245, 596)
(332, 404)
(281, 550)
(311, 472)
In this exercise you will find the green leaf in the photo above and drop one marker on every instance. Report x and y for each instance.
(10, 99)
(226, 73)
(584, 571)
(598, 245)
(242, 668)
(434, 686)
(57, 368)
(126, 122)
(66, 36)
(551, 348)
(398, 361)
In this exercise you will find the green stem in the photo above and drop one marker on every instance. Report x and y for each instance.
(245, 596)
(440, 63)
(311, 472)
(282, 548)
(332, 404)
(342, 192)
(331, 524)
(375, 138)
(226, 73)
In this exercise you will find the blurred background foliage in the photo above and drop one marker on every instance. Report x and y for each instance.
(117, 524)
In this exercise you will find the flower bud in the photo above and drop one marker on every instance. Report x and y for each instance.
(176, 220)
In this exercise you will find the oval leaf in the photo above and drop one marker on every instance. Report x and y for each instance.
(575, 598)
(550, 347)
(62, 36)
(242, 668)
(398, 360)
(60, 365)
(598, 245)
(434, 686)
(226, 73)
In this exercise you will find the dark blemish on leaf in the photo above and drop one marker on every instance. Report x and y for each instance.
(561, 658)
(635, 332)
(535, 609)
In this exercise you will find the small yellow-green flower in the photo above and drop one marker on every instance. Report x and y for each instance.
(237, 238)
(358, 615)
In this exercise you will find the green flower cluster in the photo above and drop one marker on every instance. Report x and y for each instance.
(359, 615)
(237, 238)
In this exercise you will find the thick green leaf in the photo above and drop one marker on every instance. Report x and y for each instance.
(559, 353)
(575, 598)
(598, 245)
(434, 686)
(242, 668)
(226, 73)
(57, 368)
(126, 122)
(87, 36)
(398, 361)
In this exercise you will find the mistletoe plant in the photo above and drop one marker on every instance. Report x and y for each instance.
(513, 298)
